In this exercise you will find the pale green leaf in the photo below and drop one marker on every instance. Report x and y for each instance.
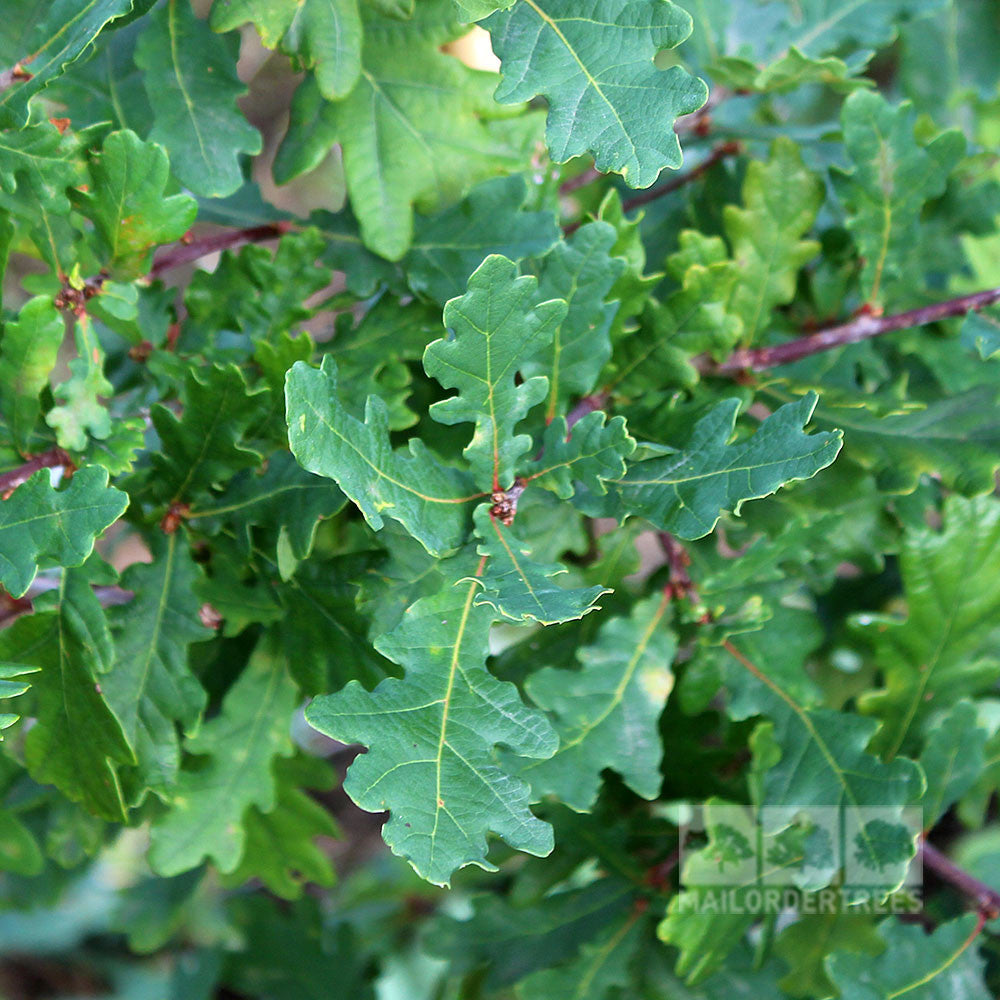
(41, 525)
(497, 328)
(205, 818)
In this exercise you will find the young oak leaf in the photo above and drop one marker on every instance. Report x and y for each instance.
(607, 713)
(28, 353)
(127, 203)
(518, 588)
(781, 198)
(915, 964)
(39, 523)
(492, 218)
(891, 178)
(945, 649)
(150, 686)
(205, 818)
(428, 498)
(593, 452)
(581, 271)
(593, 61)
(431, 738)
(497, 328)
(685, 493)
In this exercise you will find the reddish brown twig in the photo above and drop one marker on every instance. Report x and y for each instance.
(864, 327)
(721, 152)
(187, 253)
(595, 401)
(678, 181)
(987, 899)
(53, 459)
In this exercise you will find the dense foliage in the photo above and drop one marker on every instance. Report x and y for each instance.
(633, 509)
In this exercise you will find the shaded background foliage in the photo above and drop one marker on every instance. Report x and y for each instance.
(373, 379)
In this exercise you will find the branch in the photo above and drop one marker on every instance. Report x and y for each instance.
(987, 900)
(720, 152)
(595, 401)
(863, 328)
(678, 181)
(186, 253)
(56, 458)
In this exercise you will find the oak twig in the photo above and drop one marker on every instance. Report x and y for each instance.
(864, 327)
(55, 458)
(677, 181)
(187, 253)
(987, 900)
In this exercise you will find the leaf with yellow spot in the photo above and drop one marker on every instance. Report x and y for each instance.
(607, 713)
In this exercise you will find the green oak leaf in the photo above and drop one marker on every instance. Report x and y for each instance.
(40, 524)
(80, 414)
(693, 319)
(602, 965)
(191, 82)
(685, 492)
(19, 851)
(816, 27)
(28, 353)
(431, 500)
(892, 177)
(12, 686)
(581, 272)
(814, 757)
(491, 219)
(497, 327)
(284, 498)
(517, 587)
(419, 127)
(780, 200)
(954, 438)
(946, 649)
(607, 713)
(204, 445)
(205, 818)
(280, 847)
(53, 36)
(77, 742)
(953, 759)
(127, 203)
(515, 941)
(936, 966)
(593, 452)
(373, 357)
(805, 944)
(150, 686)
(431, 737)
(42, 160)
(710, 916)
(593, 61)
(323, 35)
(981, 333)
